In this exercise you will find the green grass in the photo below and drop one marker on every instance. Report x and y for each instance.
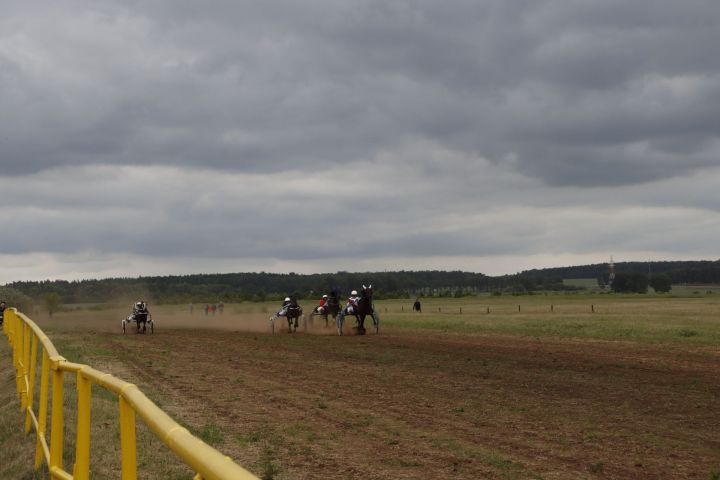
(250, 438)
(642, 318)
(212, 435)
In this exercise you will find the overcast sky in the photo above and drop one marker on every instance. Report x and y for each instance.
(153, 137)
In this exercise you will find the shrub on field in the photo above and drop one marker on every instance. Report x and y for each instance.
(661, 283)
(15, 298)
(630, 282)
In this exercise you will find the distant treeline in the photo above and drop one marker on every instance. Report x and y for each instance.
(236, 287)
(701, 272)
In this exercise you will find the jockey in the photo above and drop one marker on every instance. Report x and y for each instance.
(322, 304)
(286, 304)
(352, 302)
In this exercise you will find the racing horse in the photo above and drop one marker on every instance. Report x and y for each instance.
(292, 314)
(364, 308)
(143, 321)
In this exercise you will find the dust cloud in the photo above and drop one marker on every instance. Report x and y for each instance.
(175, 318)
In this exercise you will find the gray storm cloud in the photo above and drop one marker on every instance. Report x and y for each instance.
(369, 129)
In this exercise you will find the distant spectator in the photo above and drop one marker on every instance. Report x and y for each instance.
(191, 308)
(3, 306)
(416, 306)
(207, 309)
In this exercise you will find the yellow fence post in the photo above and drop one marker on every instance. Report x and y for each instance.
(42, 411)
(31, 382)
(25, 380)
(18, 330)
(82, 443)
(56, 433)
(128, 448)
(9, 319)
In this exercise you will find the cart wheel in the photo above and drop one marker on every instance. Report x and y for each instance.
(152, 327)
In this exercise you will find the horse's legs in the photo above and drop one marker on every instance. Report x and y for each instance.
(360, 323)
(293, 323)
(339, 320)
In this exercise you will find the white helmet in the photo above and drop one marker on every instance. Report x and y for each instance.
(354, 292)
(287, 299)
(324, 296)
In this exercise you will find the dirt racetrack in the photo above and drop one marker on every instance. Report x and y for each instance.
(421, 404)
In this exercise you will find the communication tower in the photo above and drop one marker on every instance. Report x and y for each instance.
(611, 272)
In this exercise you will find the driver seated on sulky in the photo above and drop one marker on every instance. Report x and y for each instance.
(352, 302)
(140, 307)
(287, 304)
(322, 304)
(140, 310)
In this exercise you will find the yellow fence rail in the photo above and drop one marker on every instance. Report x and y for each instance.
(26, 338)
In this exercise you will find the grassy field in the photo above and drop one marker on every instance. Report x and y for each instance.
(654, 318)
(510, 387)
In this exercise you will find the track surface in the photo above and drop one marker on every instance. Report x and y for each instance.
(420, 404)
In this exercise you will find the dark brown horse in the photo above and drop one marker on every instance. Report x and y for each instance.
(363, 308)
(292, 312)
(331, 309)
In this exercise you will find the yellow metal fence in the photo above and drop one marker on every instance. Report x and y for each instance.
(26, 338)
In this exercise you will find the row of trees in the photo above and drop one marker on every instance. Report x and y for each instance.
(696, 271)
(236, 287)
(261, 286)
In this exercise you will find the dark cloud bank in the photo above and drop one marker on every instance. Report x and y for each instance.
(451, 129)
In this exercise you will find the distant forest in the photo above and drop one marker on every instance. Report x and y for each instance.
(693, 272)
(236, 287)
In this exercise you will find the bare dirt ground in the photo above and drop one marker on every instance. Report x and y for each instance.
(421, 404)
